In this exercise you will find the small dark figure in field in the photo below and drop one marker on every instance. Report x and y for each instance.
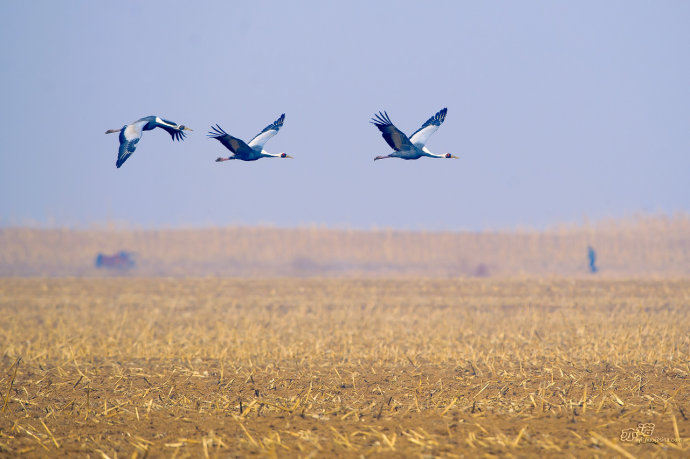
(592, 255)
(121, 261)
(481, 270)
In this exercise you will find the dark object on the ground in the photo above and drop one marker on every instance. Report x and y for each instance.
(481, 270)
(122, 260)
(592, 255)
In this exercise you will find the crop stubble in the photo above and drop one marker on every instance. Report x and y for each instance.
(298, 367)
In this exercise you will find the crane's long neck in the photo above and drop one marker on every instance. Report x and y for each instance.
(265, 154)
(426, 152)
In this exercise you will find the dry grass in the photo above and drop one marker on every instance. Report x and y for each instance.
(640, 247)
(304, 367)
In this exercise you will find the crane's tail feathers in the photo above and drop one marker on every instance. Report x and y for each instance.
(216, 132)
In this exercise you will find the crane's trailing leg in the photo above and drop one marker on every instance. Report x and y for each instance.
(382, 157)
(112, 131)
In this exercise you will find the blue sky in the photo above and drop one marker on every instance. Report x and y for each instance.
(558, 111)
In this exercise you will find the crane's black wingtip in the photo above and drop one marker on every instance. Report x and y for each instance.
(216, 132)
(381, 120)
(179, 135)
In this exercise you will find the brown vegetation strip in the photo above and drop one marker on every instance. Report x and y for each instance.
(655, 245)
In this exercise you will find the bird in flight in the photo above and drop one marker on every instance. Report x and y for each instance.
(130, 134)
(414, 146)
(254, 149)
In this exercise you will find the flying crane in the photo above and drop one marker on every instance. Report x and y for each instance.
(130, 134)
(254, 149)
(414, 146)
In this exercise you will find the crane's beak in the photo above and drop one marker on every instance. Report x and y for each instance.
(454, 157)
(187, 129)
(288, 156)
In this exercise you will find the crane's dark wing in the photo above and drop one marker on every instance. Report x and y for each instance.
(175, 131)
(129, 137)
(127, 147)
(235, 145)
(394, 136)
(421, 135)
(269, 131)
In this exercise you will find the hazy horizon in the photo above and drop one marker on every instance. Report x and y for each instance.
(656, 246)
(560, 112)
(121, 225)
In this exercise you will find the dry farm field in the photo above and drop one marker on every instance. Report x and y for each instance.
(294, 367)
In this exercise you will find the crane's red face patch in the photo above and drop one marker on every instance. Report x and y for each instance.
(283, 155)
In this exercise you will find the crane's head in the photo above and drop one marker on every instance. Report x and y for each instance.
(285, 155)
(448, 155)
(182, 127)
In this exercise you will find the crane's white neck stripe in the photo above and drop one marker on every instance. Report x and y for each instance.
(164, 123)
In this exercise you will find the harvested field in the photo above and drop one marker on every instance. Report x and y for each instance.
(130, 367)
